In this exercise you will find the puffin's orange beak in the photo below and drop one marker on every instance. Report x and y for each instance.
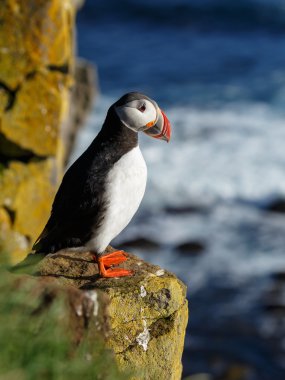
(166, 130)
(161, 129)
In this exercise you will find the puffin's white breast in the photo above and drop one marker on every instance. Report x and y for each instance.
(125, 187)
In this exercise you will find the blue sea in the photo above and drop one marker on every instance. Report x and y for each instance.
(217, 69)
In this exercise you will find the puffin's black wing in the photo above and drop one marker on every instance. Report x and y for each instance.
(78, 206)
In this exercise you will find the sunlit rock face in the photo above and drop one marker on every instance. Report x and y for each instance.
(26, 193)
(36, 64)
(37, 74)
(147, 312)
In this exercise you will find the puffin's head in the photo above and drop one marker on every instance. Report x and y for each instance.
(140, 113)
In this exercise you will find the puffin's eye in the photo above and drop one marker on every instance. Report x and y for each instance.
(142, 108)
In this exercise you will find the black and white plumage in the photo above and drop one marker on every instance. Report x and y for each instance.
(102, 190)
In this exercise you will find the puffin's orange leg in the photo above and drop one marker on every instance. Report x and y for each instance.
(117, 272)
(112, 258)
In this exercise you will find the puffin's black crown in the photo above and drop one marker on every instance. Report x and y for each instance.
(130, 96)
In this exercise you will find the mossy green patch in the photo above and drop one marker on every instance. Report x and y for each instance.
(42, 333)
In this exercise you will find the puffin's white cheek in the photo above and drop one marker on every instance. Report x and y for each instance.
(132, 117)
(138, 114)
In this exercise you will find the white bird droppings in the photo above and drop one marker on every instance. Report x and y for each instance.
(160, 272)
(143, 291)
(94, 298)
(79, 311)
(144, 337)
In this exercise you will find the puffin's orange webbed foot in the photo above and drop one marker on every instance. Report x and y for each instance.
(118, 272)
(110, 259)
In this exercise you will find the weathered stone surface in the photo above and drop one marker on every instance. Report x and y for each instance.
(34, 34)
(148, 312)
(39, 109)
(27, 191)
(36, 67)
(84, 92)
(4, 99)
(37, 123)
(13, 245)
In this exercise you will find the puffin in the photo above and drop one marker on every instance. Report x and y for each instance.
(102, 190)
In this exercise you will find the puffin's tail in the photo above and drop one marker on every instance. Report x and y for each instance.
(45, 243)
(39, 245)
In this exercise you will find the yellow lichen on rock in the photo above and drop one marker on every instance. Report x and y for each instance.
(39, 110)
(34, 197)
(36, 75)
(148, 312)
(158, 356)
(13, 246)
(50, 38)
(34, 34)
(27, 191)
(36, 68)
(148, 324)
(4, 99)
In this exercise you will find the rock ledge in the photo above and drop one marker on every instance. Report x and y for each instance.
(147, 312)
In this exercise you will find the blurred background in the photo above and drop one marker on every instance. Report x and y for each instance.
(214, 207)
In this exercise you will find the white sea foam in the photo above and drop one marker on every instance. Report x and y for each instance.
(218, 154)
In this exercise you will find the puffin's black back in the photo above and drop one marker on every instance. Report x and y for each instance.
(79, 205)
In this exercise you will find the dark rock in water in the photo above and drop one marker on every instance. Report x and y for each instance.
(186, 209)
(279, 276)
(273, 300)
(277, 309)
(192, 247)
(277, 206)
(140, 242)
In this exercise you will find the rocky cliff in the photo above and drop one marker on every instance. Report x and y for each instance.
(147, 313)
(39, 78)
